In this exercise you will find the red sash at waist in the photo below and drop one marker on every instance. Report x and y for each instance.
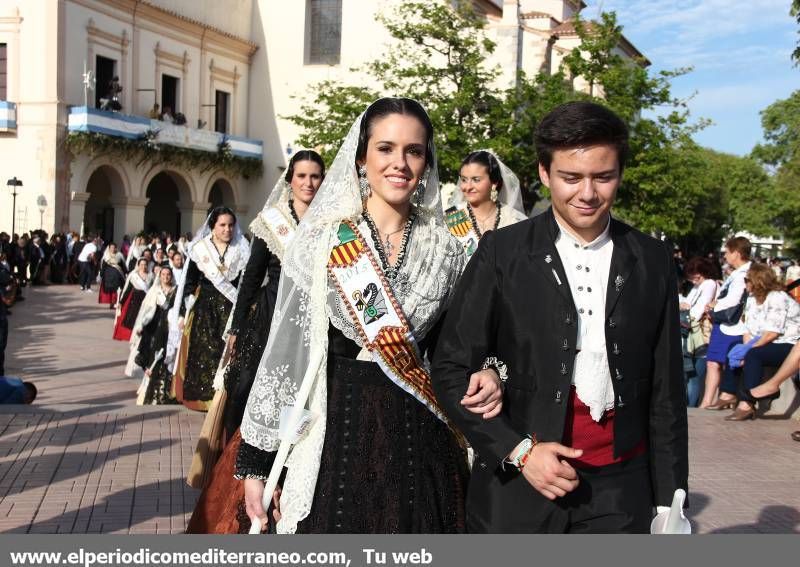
(596, 438)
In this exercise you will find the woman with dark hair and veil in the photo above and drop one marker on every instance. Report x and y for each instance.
(364, 285)
(112, 275)
(130, 300)
(217, 256)
(489, 198)
(152, 332)
(272, 230)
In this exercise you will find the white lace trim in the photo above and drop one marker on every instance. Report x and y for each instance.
(306, 301)
(592, 381)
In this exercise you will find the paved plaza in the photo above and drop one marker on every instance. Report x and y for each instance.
(85, 459)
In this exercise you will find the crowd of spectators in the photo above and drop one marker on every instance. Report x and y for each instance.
(741, 326)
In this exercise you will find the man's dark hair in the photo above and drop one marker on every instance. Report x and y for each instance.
(580, 124)
(30, 392)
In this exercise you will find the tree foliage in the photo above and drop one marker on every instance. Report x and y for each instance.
(781, 153)
(795, 11)
(442, 57)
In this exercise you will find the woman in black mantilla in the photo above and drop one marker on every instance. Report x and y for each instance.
(272, 230)
(217, 256)
(152, 327)
(379, 458)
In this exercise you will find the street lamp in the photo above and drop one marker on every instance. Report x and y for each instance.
(14, 183)
(41, 202)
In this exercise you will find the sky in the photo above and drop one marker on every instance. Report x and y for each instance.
(740, 51)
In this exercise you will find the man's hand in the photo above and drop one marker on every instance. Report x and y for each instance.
(484, 394)
(181, 324)
(547, 473)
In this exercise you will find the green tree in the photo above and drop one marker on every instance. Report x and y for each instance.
(781, 153)
(795, 11)
(438, 57)
(660, 192)
(326, 118)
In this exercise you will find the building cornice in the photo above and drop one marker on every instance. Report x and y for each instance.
(171, 24)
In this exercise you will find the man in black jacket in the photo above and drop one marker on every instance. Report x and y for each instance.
(582, 311)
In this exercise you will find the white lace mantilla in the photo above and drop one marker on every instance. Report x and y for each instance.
(307, 303)
(509, 216)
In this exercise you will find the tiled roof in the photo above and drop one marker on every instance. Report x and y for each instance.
(567, 29)
(532, 15)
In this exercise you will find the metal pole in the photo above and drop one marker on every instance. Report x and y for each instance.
(14, 211)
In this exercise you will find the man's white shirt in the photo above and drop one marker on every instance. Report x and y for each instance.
(587, 268)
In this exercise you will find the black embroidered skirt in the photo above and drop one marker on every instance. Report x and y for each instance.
(250, 344)
(129, 317)
(211, 312)
(388, 464)
(155, 336)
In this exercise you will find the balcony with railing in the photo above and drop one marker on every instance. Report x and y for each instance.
(136, 137)
(8, 116)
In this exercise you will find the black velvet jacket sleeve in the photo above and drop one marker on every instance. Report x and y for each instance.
(466, 337)
(262, 262)
(193, 275)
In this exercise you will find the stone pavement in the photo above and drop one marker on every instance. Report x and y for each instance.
(85, 459)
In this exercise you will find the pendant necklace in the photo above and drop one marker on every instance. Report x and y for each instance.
(388, 246)
(222, 256)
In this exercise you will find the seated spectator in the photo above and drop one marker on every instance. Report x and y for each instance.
(700, 272)
(15, 391)
(155, 112)
(771, 388)
(166, 116)
(772, 328)
(725, 313)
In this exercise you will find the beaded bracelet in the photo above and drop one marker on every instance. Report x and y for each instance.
(498, 366)
(524, 458)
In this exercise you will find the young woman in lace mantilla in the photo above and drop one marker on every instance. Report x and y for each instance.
(379, 457)
(489, 198)
(151, 332)
(130, 300)
(272, 230)
(112, 275)
(217, 256)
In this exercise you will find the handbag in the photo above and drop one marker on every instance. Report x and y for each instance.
(731, 315)
(699, 336)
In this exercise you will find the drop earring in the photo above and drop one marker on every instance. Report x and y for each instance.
(493, 194)
(363, 184)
